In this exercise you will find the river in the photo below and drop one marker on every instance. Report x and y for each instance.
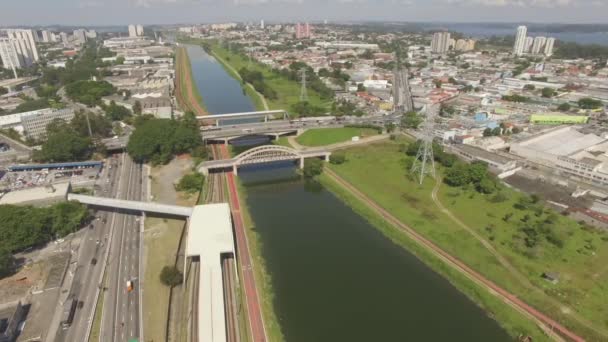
(335, 277)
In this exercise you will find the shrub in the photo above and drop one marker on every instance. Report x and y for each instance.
(170, 276)
(337, 158)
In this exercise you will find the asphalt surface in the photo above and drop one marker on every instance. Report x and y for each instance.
(121, 309)
(91, 252)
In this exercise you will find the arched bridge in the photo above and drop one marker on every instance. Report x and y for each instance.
(261, 155)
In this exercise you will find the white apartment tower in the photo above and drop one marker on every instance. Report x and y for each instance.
(140, 30)
(23, 44)
(262, 24)
(538, 45)
(549, 46)
(528, 44)
(440, 42)
(8, 54)
(520, 40)
(132, 31)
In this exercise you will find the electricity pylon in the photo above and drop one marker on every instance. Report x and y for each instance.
(303, 92)
(424, 164)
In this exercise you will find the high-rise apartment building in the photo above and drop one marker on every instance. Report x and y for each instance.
(549, 46)
(64, 38)
(538, 45)
(465, 45)
(140, 30)
(262, 24)
(528, 44)
(80, 36)
(46, 36)
(520, 41)
(132, 31)
(440, 42)
(303, 31)
(8, 54)
(24, 46)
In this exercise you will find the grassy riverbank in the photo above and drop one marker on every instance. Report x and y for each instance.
(328, 136)
(188, 96)
(576, 301)
(288, 91)
(262, 278)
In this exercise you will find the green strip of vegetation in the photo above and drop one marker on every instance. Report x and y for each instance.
(185, 68)
(512, 321)
(262, 277)
(530, 237)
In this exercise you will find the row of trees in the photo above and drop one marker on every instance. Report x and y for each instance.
(256, 79)
(158, 140)
(23, 227)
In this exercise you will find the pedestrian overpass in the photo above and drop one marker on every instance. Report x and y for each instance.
(244, 115)
(261, 155)
(148, 207)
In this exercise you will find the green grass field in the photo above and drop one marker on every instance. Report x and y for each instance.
(288, 92)
(328, 136)
(379, 171)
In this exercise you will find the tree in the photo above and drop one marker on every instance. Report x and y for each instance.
(100, 125)
(547, 92)
(477, 171)
(63, 144)
(337, 158)
(486, 186)
(360, 87)
(171, 276)
(190, 183)
(312, 167)
(457, 175)
(496, 131)
(411, 120)
(487, 132)
(137, 109)
(89, 92)
(6, 262)
(564, 107)
(115, 112)
(437, 83)
(3, 91)
(589, 103)
(529, 87)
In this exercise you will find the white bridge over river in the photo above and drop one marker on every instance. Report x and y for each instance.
(261, 155)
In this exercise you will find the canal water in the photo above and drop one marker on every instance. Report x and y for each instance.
(335, 277)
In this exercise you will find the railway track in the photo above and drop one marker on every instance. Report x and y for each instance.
(216, 193)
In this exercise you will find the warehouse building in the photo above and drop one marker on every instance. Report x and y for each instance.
(583, 156)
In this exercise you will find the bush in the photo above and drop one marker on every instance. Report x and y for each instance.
(191, 183)
(171, 276)
(312, 167)
(337, 158)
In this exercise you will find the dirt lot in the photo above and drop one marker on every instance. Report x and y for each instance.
(161, 241)
(548, 191)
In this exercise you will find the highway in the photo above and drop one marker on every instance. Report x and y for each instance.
(91, 254)
(280, 126)
(121, 308)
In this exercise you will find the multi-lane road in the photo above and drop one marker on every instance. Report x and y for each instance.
(92, 253)
(121, 306)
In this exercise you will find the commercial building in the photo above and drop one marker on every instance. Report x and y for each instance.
(348, 45)
(440, 42)
(520, 40)
(37, 196)
(584, 157)
(558, 119)
(34, 125)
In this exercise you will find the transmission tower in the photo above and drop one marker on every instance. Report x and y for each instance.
(424, 164)
(303, 92)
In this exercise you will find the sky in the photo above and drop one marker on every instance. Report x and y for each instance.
(122, 12)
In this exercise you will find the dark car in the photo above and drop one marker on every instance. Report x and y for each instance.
(93, 261)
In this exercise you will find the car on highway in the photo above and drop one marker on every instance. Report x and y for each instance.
(129, 285)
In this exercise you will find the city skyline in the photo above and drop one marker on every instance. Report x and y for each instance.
(115, 12)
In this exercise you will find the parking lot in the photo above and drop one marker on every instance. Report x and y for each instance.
(12, 181)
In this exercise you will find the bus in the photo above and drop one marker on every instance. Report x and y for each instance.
(69, 309)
